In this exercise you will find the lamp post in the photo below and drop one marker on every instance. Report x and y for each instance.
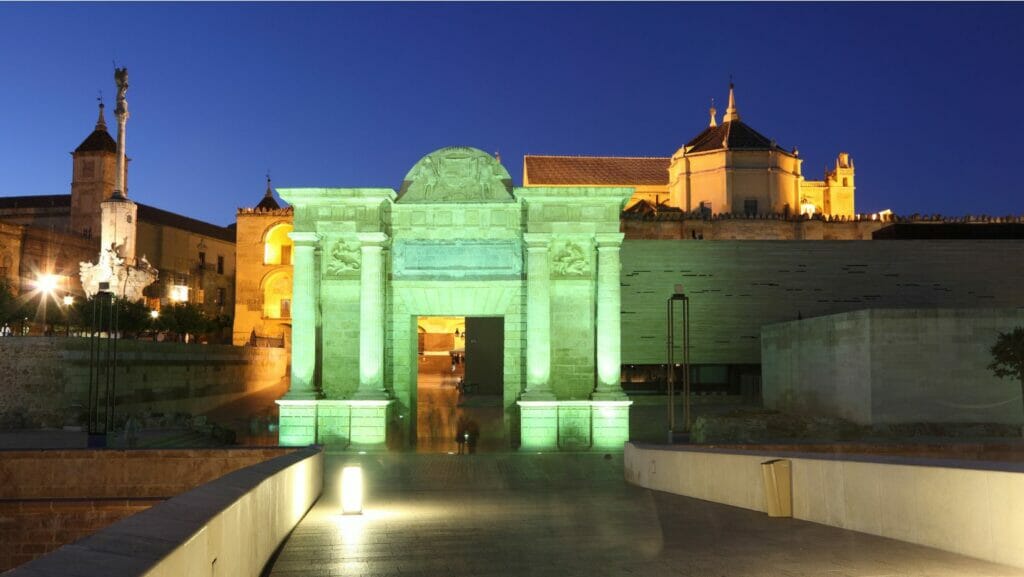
(68, 301)
(678, 296)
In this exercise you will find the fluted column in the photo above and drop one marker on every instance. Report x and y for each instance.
(609, 322)
(538, 318)
(371, 317)
(306, 299)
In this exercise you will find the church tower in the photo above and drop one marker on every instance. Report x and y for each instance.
(94, 167)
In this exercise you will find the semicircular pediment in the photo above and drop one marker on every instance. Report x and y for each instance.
(456, 174)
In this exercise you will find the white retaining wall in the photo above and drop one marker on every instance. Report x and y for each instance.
(971, 508)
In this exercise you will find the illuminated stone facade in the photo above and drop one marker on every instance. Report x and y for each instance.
(264, 253)
(456, 240)
(728, 168)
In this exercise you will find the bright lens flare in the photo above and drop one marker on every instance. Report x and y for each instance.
(47, 283)
(352, 490)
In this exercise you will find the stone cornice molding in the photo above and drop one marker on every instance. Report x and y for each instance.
(537, 241)
(304, 238)
(373, 239)
(333, 196)
(607, 240)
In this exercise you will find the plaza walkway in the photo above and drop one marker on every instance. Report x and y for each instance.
(562, 515)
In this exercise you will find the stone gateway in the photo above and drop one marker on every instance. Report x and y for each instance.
(456, 240)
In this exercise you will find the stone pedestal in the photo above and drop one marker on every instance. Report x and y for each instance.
(587, 425)
(347, 424)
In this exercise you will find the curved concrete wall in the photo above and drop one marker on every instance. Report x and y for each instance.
(970, 508)
(229, 526)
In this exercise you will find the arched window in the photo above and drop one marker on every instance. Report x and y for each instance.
(277, 247)
(277, 295)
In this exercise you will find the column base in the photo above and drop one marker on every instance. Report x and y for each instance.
(587, 425)
(355, 424)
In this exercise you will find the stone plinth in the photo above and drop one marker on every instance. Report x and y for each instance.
(352, 424)
(574, 425)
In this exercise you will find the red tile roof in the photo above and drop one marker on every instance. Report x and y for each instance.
(596, 170)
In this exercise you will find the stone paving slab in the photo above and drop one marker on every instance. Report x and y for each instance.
(571, 514)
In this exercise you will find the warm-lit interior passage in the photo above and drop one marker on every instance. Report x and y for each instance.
(459, 384)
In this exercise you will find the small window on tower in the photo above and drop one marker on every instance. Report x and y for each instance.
(128, 217)
(220, 264)
(202, 259)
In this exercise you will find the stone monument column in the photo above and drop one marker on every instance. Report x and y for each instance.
(538, 318)
(306, 298)
(371, 317)
(609, 321)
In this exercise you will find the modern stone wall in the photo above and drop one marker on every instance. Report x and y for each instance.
(673, 226)
(892, 366)
(52, 498)
(44, 381)
(736, 287)
(968, 508)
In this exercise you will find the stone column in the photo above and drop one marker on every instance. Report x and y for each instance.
(371, 317)
(305, 302)
(538, 318)
(609, 322)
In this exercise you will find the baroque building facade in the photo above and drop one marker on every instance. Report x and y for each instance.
(728, 168)
(51, 234)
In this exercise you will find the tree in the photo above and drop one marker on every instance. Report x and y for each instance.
(10, 308)
(1008, 357)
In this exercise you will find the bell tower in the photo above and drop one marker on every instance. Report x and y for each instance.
(94, 167)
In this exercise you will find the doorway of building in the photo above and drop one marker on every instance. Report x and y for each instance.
(459, 384)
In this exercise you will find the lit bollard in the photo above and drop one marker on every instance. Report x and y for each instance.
(352, 490)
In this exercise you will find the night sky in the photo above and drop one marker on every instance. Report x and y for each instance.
(926, 97)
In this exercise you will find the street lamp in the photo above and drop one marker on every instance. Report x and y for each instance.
(68, 301)
(680, 297)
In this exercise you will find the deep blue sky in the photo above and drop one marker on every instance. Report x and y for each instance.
(926, 97)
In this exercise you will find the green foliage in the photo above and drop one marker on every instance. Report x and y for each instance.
(1008, 356)
(183, 319)
(10, 308)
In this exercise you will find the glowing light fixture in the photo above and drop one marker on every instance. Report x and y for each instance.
(47, 283)
(352, 490)
(154, 314)
(179, 293)
(69, 300)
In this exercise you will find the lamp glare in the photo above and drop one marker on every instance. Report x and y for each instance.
(352, 490)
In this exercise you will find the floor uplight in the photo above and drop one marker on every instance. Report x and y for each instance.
(352, 490)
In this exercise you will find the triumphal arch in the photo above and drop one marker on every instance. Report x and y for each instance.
(457, 239)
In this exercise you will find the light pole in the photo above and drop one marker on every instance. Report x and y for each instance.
(678, 296)
(68, 301)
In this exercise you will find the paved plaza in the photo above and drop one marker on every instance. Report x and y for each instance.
(570, 514)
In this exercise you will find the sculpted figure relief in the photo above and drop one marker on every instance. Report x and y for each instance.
(570, 260)
(457, 174)
(344, 258)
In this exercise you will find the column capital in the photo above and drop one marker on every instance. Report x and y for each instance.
(537, 240)
(608, 240)
(373, 239)
(304, 238)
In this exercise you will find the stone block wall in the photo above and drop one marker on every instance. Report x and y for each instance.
(52, 498)
(736, 287)
(44, 381)
(892, 366)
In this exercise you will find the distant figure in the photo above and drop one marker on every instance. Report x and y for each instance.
(472, 435)
(460, 438)
(5, 331)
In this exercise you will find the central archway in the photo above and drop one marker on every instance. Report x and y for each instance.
(456, 240)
